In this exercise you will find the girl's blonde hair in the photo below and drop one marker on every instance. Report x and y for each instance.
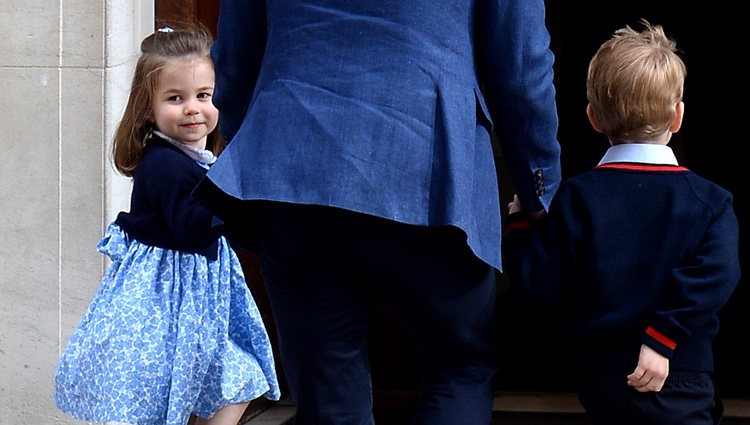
(158, 49)
(634, 81)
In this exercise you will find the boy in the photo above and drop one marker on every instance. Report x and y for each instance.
(641, 252)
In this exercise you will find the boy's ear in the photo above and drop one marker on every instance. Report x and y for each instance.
(679, 112)
(592, 119)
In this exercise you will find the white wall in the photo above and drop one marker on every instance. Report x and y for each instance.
(65, 68)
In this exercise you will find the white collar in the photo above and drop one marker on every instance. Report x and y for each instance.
(204, 156)
(640, 152)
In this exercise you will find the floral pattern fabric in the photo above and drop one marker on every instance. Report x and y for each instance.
(167, 334)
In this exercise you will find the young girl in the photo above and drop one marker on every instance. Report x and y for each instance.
(173, 329)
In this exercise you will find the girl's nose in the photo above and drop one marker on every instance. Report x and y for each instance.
(191, 108)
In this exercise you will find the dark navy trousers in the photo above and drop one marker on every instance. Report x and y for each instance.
(320, 265)
(687, 398)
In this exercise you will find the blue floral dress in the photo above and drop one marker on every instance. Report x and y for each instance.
(167, 334)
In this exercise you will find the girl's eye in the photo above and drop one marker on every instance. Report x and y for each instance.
(175, 98)
(204, 95)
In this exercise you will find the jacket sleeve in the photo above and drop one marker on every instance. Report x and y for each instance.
(700, 287)
(237, 55)
(536, 256)
(515, 67)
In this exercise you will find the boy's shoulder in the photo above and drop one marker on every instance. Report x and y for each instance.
(601, 178)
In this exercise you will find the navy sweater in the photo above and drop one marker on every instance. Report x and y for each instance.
(163, 212)
(634, 253)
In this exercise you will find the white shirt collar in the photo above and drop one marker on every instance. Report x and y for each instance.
(204, 156)
(640, 152)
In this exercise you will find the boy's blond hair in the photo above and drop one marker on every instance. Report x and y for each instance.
(634, 81)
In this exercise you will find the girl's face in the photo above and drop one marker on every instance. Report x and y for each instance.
(182, 104)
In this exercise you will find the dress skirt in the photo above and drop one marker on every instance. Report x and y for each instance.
(167, 334)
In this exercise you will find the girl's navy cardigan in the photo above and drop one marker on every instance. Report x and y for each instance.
(633, 253)
(163, 212)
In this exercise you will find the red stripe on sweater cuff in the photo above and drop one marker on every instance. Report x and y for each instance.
(661, 338)
(517, 225)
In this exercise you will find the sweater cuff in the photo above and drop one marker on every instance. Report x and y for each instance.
(659, 342)
(518, 220)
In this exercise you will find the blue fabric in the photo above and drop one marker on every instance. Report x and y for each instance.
(166, 335)
(386, 108)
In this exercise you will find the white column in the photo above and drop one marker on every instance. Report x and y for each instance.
(65, 68)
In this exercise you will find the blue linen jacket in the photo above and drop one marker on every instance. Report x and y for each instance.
(384, 108)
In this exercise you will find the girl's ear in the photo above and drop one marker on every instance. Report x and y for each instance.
(679, 112)
(592, 119)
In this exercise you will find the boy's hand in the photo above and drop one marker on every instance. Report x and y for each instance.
(651, 372)
(514, 206)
